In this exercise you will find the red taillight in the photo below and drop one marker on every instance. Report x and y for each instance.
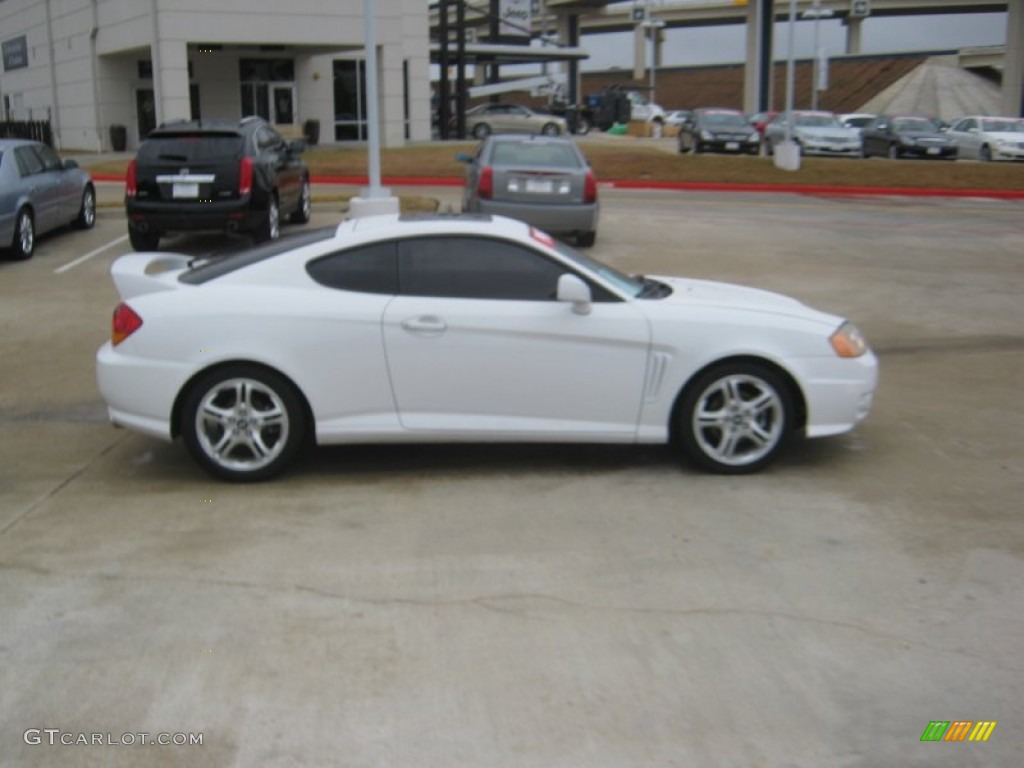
(245, 176)
(124, 324)
(131, 184)
(590, 188)
(485, 187)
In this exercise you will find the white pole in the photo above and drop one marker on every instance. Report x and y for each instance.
(372, 112)
(789, 72)
(814, 67)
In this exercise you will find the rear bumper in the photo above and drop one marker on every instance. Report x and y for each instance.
(139, 393)
(233, 216)
(558, 219)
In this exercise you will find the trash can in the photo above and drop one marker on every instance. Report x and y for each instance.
(118, 138)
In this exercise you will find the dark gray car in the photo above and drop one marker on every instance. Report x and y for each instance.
(39, 192)
(542, 180)
(906, 136)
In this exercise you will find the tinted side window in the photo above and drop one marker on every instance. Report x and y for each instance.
(368, 269)
(476, 268)
(28, 161)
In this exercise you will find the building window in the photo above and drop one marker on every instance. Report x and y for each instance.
(349, 101)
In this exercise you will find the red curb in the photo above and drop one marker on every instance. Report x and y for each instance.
(688, 186)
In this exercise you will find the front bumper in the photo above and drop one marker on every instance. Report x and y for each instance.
(839, 392)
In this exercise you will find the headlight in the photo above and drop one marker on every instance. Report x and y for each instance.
(908, 140)
(848, 341)
(755, 136)
(1004, 143)
(707, 135)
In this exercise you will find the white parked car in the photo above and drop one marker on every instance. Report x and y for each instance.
(989, 138)
(817, 133)
(473, 328)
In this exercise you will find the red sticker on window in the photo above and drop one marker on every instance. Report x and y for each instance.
(542, 237)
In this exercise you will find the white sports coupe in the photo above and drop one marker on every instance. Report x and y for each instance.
(464, 328)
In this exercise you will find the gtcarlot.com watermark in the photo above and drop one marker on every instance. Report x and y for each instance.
(57, 737)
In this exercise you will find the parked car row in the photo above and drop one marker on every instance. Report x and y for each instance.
(818, 132)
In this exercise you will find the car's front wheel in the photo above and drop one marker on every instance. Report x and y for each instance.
(985, 154)
(24, 243)
(87, 213)
(735, 418)
(894, 152)
(242, 422)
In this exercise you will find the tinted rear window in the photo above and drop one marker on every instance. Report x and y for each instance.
(536, 154)
(191, 148)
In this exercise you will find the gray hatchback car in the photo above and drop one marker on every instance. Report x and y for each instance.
(39, 192)
(542, 180)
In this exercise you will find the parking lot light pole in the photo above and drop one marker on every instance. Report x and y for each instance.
(817, 13)
(653, 25)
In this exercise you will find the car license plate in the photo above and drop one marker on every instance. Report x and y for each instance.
(933, 150)
(185, 189)
(539, 186)
(732, 145)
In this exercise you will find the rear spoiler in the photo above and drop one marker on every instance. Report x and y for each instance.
(136, 274)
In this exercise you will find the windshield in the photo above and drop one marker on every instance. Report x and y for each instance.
(816, 121)
(913, 124)
(621, 281)
(725, 119)
(1003, 126)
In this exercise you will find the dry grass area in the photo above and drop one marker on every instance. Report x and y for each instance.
(612, 160)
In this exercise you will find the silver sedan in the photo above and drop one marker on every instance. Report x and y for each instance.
(39, 192)
(544, 181)
(485, 119)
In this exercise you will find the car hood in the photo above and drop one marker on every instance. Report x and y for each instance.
(708, 293)
(818, 132)
(1005, 136)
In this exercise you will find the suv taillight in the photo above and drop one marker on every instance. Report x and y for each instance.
(590, 188)
(131, 184)
(485, 187)
(245, 176)
(125, 322)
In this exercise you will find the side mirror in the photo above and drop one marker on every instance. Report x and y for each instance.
(70, 165)
(464, 157)
(572, 289)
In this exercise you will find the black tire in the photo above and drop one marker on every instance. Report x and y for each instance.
(243, 422)
(143, 241)
(985, 153)
(735, 418)
(24, 243)
(301, 214)
(894, 152)
(86, 217)
(583, 126)
(270, 227)
(481, 131)
(550, 129)
(586, 239)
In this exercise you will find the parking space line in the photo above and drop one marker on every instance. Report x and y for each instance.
(89, 255)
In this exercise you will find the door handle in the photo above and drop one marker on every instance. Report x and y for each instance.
(425, 325)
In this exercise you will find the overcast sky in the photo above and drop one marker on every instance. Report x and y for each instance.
(726, 44)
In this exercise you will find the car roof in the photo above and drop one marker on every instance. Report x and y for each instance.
(406, 225)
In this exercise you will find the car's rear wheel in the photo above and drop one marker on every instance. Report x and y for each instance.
(87, 213)
(143, 241)
(24, 243)
(735, 418)
(270, 227)
(243, 422)
(550, 129)
(481, 131)
(586, 239)
(302, 213)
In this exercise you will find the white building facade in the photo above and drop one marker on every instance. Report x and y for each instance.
(87, 65)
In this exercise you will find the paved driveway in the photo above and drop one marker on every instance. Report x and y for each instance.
(489, 606)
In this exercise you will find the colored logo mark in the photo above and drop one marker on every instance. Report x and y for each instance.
(958, 730)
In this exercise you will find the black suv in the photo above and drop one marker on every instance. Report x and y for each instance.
(718, 130)
(234, 176)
